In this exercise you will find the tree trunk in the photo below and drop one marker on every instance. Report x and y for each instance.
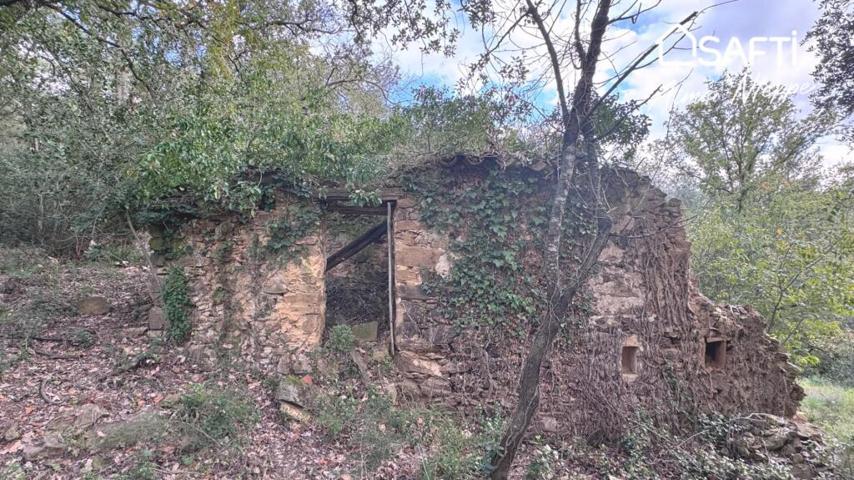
(575, 121)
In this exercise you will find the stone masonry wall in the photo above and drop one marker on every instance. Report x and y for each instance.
(643, 299)
(267, 309)
(652, 345)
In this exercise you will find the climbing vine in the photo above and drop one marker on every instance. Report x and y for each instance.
(177, 304)
(297, 222)
(495, 230)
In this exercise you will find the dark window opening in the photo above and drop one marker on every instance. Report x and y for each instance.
(715, 353)
(629, 361)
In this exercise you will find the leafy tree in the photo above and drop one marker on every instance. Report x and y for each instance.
(121, 105)
(769, 231)
(740, 134)
(789, 254)
(832, 34)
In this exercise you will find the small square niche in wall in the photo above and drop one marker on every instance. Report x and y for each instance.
(629, 361)
(715, 353)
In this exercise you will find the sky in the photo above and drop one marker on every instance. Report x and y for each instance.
(766, 35)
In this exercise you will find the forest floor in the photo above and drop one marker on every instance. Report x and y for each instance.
(76, 390)
(95, 394)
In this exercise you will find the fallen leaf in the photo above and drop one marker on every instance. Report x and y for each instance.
(13, 447)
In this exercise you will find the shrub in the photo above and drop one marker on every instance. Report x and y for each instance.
(376, 428)
(458, 453)
(341, 339)
(145, 468)
(176, 302)
(212, 416)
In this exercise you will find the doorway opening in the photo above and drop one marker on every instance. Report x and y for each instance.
(360, 268)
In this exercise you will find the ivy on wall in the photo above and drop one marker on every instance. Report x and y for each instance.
(177, 304)
(298, 221)
(495, 226)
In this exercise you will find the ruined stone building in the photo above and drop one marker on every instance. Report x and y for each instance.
(442, 271)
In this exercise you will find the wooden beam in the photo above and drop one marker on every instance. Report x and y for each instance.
(354, 210)
(391, 194)
(392, 347)
(356, 245)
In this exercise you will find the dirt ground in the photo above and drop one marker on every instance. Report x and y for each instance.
(92, 395)
(75, 361)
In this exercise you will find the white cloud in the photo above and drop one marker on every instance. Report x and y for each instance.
(741, 20)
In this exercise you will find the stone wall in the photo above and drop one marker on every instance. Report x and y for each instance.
(652, 345)
(265, 308)
(642, 351)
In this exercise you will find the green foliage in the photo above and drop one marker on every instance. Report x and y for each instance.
(113, 252)
(459, 453)
(341, 339)
(45, 298)
(275, 118)
(377, 429)
(175, 294)
(831, 41)
(442, 125)
(144, 469)
(649, 451)
(769, 231)
(707, 463)
(831, 407)
(372, 425)
(211, 416)
(298, 221)
(492, 227)
(542, 467)
(788, 255)
(771, 140)
(115, 110)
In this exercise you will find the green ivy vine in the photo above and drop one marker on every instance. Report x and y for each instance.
(495, 232)
(176, 302)
(298, 221)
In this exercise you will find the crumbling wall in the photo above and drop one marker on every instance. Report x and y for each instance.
(264, 307)
(641, 352)
(637, 346)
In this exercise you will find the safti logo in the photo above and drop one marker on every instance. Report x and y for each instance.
(710, 51)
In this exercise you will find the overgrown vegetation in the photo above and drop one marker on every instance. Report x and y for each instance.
(831, 407)
(378, 429)
(770, 230)
(211, 416)
(176, 303)
(297, 221)
(489, 283)
(341, 339)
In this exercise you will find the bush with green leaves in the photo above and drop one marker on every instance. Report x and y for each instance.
(791, 257)
(341, 339)
(377, 429)
(213, 416)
